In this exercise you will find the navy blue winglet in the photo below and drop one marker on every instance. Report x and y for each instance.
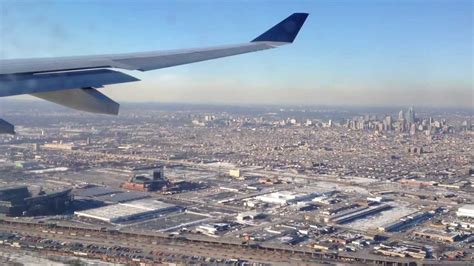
(285, 31)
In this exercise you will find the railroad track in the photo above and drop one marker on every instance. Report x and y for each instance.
(185, 246)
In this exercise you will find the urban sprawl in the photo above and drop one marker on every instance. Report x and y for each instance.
(176, 183)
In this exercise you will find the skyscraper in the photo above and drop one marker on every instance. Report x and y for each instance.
(401, 121)
(401, 115)
(388, 122)
(410, 116)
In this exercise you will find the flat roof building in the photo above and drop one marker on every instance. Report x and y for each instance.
(249, 215)
(285, 197)
(133, 210)
(438, 235)
(466, 211)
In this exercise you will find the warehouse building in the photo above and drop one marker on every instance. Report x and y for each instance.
(285, 197)
(407, 222)
(249, 215)
(466, 211)
(438, 235)
(359, 213)
(213, 229)
(133, 210)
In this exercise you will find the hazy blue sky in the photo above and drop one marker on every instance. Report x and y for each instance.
(376, 52)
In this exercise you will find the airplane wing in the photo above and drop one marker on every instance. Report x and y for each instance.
(72, 81)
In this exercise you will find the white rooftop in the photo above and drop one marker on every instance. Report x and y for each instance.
(109, 213)
(466, 211)
(467, 207)
(114, 212)
(148, 204)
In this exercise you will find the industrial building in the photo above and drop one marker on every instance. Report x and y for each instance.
(18, 201)
(133, 210)
(438, 235)
(147, 182)
(212, 229)
(402, 251)
(285, 197)
(358, 213)
(466, 211)
(249, 215)
(407, 222)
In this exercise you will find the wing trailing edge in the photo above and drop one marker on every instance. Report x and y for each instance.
(35, 83)
(84, 99)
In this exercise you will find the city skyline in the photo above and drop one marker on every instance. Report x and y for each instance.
(374, 53)
(351, 143)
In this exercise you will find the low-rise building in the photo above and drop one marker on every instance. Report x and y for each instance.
(133, 210)
(249, 215)
(438, 235)
(285, 197)
(466, 211)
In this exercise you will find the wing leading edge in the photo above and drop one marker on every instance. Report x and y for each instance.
(38, 76)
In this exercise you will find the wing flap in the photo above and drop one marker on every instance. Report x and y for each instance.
(86, 99)
(36, 83)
